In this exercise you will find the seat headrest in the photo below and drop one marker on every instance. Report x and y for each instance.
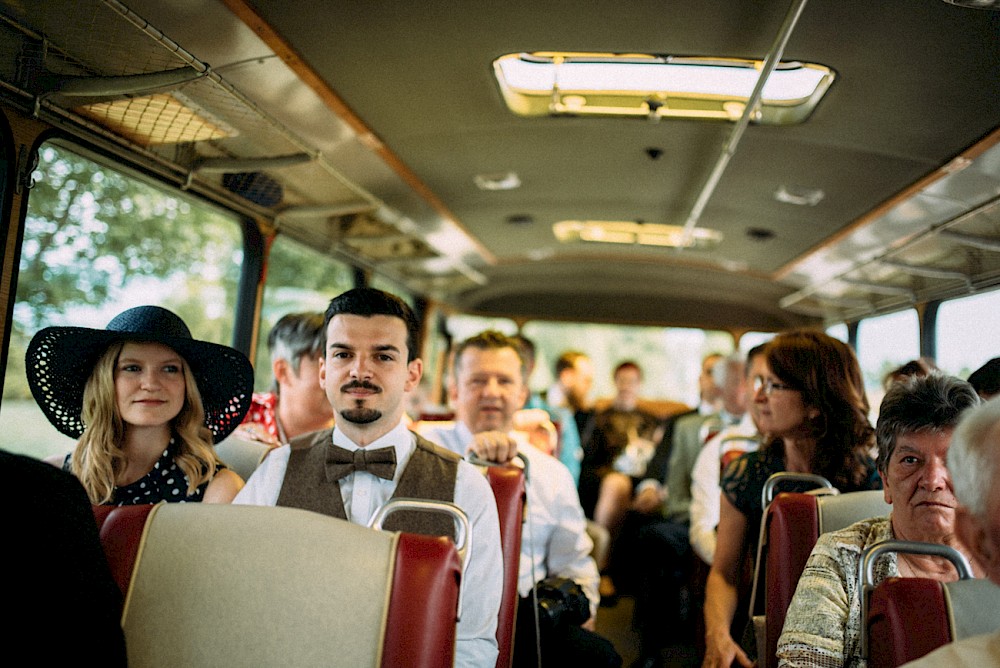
(247, 585)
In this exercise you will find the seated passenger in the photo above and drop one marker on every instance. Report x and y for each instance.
(972, 461)
(814, 419)
(615, 457)
(723, 448)
(488, 386)
(914, 431)
(369, 456)
(986, 379)
(574, 373)
(296, 403)
(61, 605)
(917, 367)
(146, 402)
(665, 606)
(556, 433)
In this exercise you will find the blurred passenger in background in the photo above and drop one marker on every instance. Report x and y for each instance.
(709, 392)
(488, 386)
(567, 449)
(664, 608)
(917, 367)
(574, 378)
(814, 418)
(986, 379)
(297, 403)
(615, 458)
(725, 447)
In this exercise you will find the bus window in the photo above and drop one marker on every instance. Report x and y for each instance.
(461, 327)
(751, 339)
(380, 282)
(298, 279)
(838, 331)
(968, 333)
(96, 242)
(670, 357)
(884, 343)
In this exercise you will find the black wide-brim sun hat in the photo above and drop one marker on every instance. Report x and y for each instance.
(59, 361)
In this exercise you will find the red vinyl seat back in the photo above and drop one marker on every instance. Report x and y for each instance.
(793, 527)
(420, 629)
(121, 528)
(907, 618)
(509, 490)
(910, 617)
(793, 522)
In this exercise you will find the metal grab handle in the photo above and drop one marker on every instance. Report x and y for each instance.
(767, 495)
(866, 571)
(476, 461)
(463, 540)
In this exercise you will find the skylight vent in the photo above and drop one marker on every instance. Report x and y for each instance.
(632, 232)
(580, 84)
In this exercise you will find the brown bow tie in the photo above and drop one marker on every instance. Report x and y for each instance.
(341, 462)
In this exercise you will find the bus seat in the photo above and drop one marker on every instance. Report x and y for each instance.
(223, 585)
(242, 455)
(120, 529)
(793, 522)
(910, 617)
(906, 618)
(509, 490)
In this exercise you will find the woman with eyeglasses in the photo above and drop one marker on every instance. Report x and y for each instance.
(813, 417)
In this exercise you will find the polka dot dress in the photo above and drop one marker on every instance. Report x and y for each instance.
(164, 482)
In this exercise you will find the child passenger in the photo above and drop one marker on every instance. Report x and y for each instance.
(147, 403)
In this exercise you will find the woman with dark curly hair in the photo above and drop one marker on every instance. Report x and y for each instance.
(813, 416)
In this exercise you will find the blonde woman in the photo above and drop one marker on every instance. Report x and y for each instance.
(147, 403)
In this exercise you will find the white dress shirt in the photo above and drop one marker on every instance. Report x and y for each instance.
(364, 493)
(554, 542)
(706, 499)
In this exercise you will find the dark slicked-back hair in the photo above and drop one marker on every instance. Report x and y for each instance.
(367, 302)
(920, 404)
(490, 340)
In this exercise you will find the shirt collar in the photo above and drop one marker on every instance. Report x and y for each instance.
(399, 437)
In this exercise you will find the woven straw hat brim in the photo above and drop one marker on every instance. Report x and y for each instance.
(59, 360)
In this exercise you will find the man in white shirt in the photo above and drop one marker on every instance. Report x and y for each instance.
(974, 464)
(719, 451)
(488, 385)
(370, 365)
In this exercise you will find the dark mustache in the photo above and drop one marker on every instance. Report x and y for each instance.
(360, 385)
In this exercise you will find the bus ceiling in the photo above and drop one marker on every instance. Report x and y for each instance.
(381, 133)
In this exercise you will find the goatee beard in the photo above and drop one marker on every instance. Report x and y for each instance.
(361, 415)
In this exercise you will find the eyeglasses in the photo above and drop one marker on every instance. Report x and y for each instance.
(768, 385)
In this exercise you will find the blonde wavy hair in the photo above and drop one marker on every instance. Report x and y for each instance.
(99, 458)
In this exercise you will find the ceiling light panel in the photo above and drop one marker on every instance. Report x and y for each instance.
(544, 83)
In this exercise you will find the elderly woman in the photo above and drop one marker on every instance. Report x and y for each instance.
(813, 416)
(914, 430)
